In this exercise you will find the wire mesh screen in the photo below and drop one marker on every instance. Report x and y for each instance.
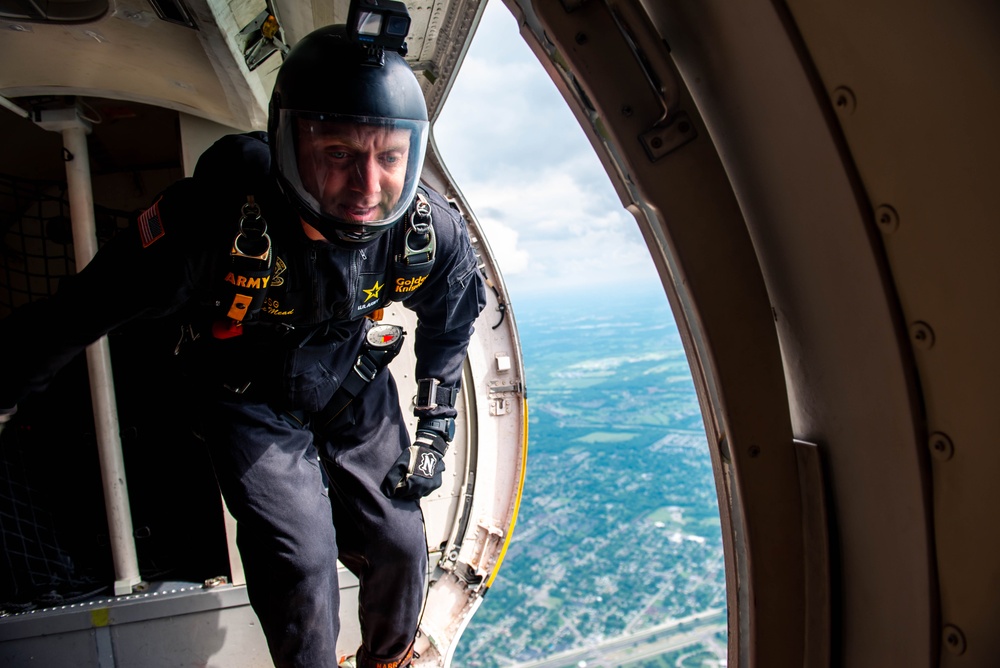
(31, 265)
(39, 531)
(37, 239)
(39, 566)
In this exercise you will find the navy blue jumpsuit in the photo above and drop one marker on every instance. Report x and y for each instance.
(290, 361)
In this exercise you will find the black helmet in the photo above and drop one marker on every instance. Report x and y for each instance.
(348, 131)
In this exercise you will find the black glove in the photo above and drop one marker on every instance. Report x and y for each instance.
(418, 470)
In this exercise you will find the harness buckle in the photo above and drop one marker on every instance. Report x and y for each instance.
(264, 257)
(252, 228)
(366, 368)
(425, 252)
(419, 233)
(252, 262)
(420, 219)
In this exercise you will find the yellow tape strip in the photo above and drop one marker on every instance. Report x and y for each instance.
(517, 502)
(100, 617)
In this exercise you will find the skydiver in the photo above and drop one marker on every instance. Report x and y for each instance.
(284, 355)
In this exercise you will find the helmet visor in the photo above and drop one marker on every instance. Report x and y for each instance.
(358, 173)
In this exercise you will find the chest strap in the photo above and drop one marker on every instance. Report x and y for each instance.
(381, 345)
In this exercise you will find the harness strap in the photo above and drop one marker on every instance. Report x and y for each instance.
(415, 260)
(419, 242)
(431, 394)
(250, 272)
(381, 345)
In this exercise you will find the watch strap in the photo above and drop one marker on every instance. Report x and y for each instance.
(445, 427)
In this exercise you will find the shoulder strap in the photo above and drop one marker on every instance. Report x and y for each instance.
(249, 275)
(417, 249)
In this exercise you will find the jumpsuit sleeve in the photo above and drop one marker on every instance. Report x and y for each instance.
(124, 281)
(448, 304)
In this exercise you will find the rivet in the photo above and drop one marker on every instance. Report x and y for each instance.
(954, 640)
(656, 142)
(581, 38)
(941, 446)
(843, 100)
(887, 219)
(922, 335)
(754, 450)
(626, 111)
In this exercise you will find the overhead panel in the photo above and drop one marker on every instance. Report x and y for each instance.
(133, 53)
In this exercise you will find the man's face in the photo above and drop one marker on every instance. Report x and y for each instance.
(356, 172)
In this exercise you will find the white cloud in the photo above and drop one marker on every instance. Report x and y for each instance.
(551, 231)
(503, 241)
(542, 198)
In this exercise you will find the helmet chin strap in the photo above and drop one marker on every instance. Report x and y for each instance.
(330, 233)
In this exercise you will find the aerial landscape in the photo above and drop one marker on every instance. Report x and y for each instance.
(617, 556)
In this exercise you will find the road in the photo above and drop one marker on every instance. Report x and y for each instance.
(645, 644)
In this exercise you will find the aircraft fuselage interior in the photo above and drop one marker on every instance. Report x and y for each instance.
(815, 182)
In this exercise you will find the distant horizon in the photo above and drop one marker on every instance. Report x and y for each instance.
(613, 299)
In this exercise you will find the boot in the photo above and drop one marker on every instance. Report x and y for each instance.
(363, 660)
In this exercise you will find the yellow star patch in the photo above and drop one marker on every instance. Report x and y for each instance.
(373, 292)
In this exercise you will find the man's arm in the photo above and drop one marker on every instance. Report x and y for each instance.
(447, 305)
(125, 280)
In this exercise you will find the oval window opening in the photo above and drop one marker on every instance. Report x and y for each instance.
(617, 556)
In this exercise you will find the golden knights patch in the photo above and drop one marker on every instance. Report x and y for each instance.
(406, 285)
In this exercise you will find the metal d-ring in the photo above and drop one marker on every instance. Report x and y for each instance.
(251, 211)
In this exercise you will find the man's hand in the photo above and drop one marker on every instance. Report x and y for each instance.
(418, 470)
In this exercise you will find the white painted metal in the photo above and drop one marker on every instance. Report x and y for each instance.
(7, 104)
(470, 518)
(172, 624)
(74, 131)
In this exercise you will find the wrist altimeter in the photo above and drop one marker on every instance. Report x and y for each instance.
(385, 337)
(444, 427)
(431, 394)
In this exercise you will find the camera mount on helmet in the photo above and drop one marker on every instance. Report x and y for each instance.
(380, 24)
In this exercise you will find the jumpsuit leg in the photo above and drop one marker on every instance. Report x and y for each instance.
(381, 540)
(270, 478)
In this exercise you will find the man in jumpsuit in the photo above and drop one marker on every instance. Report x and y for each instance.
(284, 359)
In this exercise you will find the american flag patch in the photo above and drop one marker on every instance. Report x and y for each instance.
(150, 225)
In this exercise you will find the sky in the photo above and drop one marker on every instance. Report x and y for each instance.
(540, 194)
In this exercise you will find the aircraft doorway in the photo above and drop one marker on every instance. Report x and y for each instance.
(617, 558)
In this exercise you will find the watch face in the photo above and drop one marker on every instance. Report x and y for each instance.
(384, 336)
